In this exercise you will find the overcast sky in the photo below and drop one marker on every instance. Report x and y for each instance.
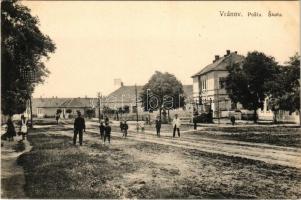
(99, 41)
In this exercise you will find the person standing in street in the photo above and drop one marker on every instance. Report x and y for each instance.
(57, 117)
(101, 130)
(107, 133)
(79, 128)
(176, 123)
(125, 129)
(121, 127)
(23, 127)
(10, 129)
(158, 126)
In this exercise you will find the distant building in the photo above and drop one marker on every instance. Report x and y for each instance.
(126, 96)
(47, 107)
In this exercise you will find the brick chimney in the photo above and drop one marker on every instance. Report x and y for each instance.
(228, 52)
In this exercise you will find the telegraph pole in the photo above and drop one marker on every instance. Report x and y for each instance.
(136, 103)
(98, 95)
(218, 110)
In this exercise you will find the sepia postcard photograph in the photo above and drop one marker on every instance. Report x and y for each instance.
(150, 99)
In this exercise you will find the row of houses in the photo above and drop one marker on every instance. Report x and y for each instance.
(123, 96)
(208, 85)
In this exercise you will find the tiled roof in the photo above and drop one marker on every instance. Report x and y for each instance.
(221, 64)
(64, 102)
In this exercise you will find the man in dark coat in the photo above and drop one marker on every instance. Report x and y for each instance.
(79, 127)
(101, 130)
(125, 129)
(158, 126)
(107, 133)
(10, 129)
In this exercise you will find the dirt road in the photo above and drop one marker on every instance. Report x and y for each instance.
(272, 154)
(144, 166)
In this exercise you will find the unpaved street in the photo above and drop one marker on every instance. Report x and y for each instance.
(144, 166)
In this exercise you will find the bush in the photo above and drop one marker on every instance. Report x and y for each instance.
(202, 118)
(90, 113)
(68, 111)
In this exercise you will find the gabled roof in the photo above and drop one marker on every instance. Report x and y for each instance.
(221, 64)
(64, 102)
(126, 94)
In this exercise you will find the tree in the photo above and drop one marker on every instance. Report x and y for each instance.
(90, 112)
(23, 48)
(246, 81)
(284, 88)
(59, 111)
(163, 90)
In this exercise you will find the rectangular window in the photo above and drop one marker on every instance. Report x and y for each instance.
(222, 82)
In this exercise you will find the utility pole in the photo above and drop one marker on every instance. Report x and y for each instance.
(218, 110)
(136, 103)
(147, 105)
(30, 104)
(98, 95)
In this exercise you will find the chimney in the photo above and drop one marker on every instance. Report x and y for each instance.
(228, 52)
(216, 58)
(117, 83)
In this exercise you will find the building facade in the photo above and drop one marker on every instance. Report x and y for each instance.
(209, 86)
(209, 91)
(47, 107)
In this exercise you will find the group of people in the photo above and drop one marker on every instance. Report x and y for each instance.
(124, 128)
(105, 131)
(105, 128)
(80, 128)
(11, 131)
(176, 124)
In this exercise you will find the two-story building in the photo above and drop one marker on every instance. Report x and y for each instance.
(209, 91)
(209, 85)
